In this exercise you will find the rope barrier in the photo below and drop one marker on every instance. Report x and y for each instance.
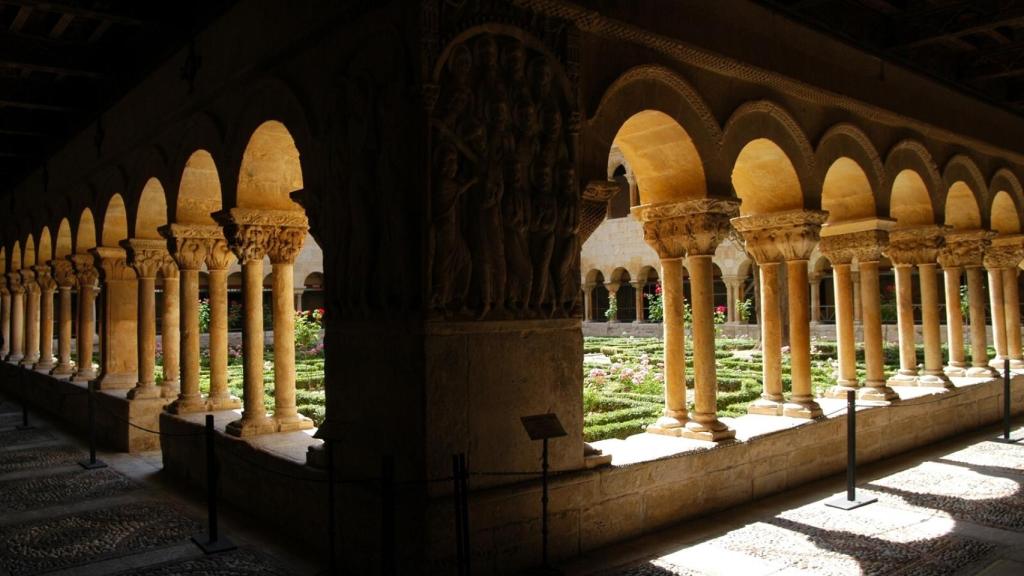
(157, 432)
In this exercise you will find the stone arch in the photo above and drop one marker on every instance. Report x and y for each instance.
(62, 245)
(661, 157)
(16, 256)
(642, 94)
(85, 233)
(115, 222)
(202, 132)
(151, 164)
(961, 207)
(646, 272)
(199, 190)
(592, 275)
(909, 172)
(151, 212)
(3, 259)
(270, 169)
(962, 174)
(851, 173)
(764, 144)
(313, 280)
(44, 249)
(1005, 181)
(28, 257)
(620, 275)
(1005, 218)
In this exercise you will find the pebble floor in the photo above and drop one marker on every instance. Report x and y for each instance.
(57, 518)
(956, 507)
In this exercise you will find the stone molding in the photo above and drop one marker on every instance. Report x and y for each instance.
(912, 246)
(693, 227)
(114, 263)
(85, 269)
(781, 236)
(147, 257)
(1005, 251)
(64, 273)
(964, 248)
(44, 278)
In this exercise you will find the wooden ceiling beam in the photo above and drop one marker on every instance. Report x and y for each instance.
(74, 10)
(61, 25)
(20, 18)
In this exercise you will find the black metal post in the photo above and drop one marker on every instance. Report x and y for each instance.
(460, 552)
(211, 542)
(850, 502)
(464, 492)
(92, 463)
(544, 505)
(24, 416)
(1006, 399)
(387, 516)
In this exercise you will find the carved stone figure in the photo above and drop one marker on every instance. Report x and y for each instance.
(451, 262)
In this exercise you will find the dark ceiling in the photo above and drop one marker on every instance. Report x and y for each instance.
(976, 46)
(62, 63)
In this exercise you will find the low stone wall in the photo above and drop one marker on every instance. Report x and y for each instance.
(68, 401)
(890, 332)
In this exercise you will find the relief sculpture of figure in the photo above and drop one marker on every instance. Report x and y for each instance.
(542, 234)
(566, 264)
(451, 265)
(516, 202)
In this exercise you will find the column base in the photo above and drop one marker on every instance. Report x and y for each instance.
(877, 393)
(668, 425)
(144, 392)
(222, 403)
(841, 388)
(997, 362)
(43, 367)
(765, 407)
(712, 431)
(955, 371)
(170, 388)
(293, 423)
(246, 427)
(187, 405)
(982, 372)
(28, 362)
(808, 409)
(902, 379)
(14, 359)
(1016, 363)
(81, 377)
(935, 379)
(116, 381)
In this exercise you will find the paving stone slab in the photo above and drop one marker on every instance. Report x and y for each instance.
(76, 539)
(60, 489)
(11, 438)
(235, 563)
(44, 457)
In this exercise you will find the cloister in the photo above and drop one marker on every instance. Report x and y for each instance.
(462, 185)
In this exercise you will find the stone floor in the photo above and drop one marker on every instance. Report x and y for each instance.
(57, 518)
(955, 507)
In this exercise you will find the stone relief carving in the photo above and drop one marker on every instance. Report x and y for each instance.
(505, 216)
(864, 246)
(220, 257)
(911, 246)
(44, 278)
(14, 284)
(85, 269)
(28, 281)
(964, 248)
(781, 236)
(64, 273)
(1005, 252)
(114, 263)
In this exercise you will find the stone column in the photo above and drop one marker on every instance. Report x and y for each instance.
(170, 324)
(1011, 294)
(5, 316)
(979, 337)
(17, 289)
(298, 299)
(217, 263)
(250, 237)
(855, 279)
(287, 243)
(638, 293)
(47, 286)
(191, 246)
(64, 274)
(588, 302)
(995, 295)
(933, 373)
(771, 239)
(868, 253)
(88, 278)
(814, 286)
(839, 251)
(28, 277)
(119, 366)
(613, 294)
(146, 257)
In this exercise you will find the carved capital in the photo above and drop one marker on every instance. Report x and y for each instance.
(781, 236)
(912, 246)
(220, 257)
(147, 257)
(1005, 251)
(694, 227)
(44, 278)
(192, 243)
(14, 284)
(114, 263)
(28, 280)
(253, 234)
(64, 273)
(85, 269)
(964, 248)
(287, 244)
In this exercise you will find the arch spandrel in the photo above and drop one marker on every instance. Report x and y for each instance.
(151, 212)
(115, 222)
(44, 250)
(913, 156)
(270, 169)
(1005, 218)
(85, 235)
(910, 202)
(62, 246)
(199, 193)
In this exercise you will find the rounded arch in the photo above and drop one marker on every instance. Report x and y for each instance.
(3, 259)
(764, 144)
(270, 169)
(151, 213)
(911, 202)
(620, 275)
(652, 88)
(199, 193)
(44, 248)
(911, 155)
(28, 257)
(1004, 180)
(85, 235)
(1005, 218)
(962, 169)
(848, 141)
(661, 157)
(115, 222)
(313, 281)
(847, 192)
(647, 272)
(593, 276)
(16, 256)
(151, 164)
(961, 210)
(62, 245)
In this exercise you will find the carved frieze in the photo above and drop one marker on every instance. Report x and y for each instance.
(912, 246)
(781, 236)
(964, 248)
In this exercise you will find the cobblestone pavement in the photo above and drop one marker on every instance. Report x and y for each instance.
(953, 508)
(58, 518)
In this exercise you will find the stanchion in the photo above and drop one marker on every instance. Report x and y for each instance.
(211, 541)
(332, 520)
(24, 417)
(460, 497)
(464, 491)
(1007, 376)
(850, 501)
(92, 463)
(387, 516)
(544, 427)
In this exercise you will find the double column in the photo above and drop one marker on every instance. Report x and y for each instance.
(147, 257)
(691, 229)
(5, 317)
(773, 240)
(119, 342)
(47, 287)
(908, 247)
(88, 290)
(965, 250)
(1002, 259)
(28, 277)
(17, 327)
(64, 275)
(588, 302)
(840, 250)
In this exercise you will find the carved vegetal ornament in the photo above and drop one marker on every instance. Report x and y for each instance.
(689, 228)
(911, 246)
(964, 248)
(781, 236)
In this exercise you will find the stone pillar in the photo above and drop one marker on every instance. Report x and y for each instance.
(998, 311)
(814, 286)
(771, 239)
(5, 317)
(88, 278)
(217, 263)
(287, 243)
(588, 302)
(933, 374)
(868, 253)
(146, 257)
(979, 337)
(613, 294)
(638, 292)
(298, 299)
(191, 246)
(1011, 295)
(28, 277)
(64, 274)
(909, 247)
(17, 289)
(170, 324)
(839, 252)
(1002, 259)
(694, 228)
(47, 286)
(855, 280)
(119, 366)
(250, 237)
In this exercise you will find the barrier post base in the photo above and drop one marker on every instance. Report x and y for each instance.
(222, 544)
(843, 503)
(92, 464)
(1003, 440)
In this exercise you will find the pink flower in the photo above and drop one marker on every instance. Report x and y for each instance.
(720, 309)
